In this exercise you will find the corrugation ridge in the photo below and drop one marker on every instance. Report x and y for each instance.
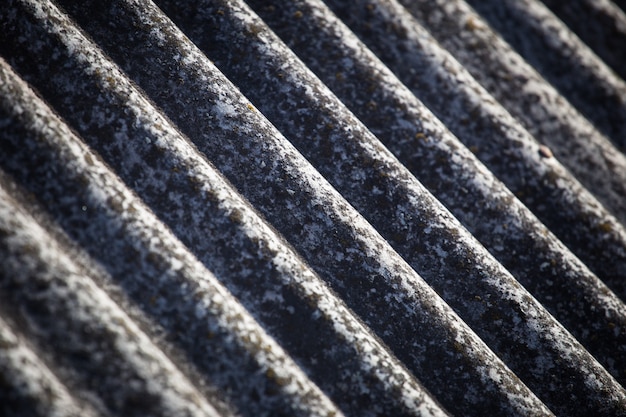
(322, 306)
(60, 306)
(575, 142)
(158, 273)
(600, 24)
(167, 286)
(563, 59)
(520, 322)
(498, 140)
(339, 334)
(27, 386)
(315, 120)
(508, 229)
(441, 335)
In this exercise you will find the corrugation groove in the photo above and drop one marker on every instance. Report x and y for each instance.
(364, 208)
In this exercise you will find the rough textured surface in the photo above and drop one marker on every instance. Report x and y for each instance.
(290, 293)
(206, 301)
(106, 354)
(553, 122)
(142, 260)
(411, 310)
(546, 43)
(27, 386)
(603, 29)
(449, 170)
(363, 165)
(484, 126)
(323, 123)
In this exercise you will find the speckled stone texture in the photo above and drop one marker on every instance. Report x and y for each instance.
(268, 277)
(51, 298)
(476, 118)
(365, 165)
(200, 226)
(553, 122)
(603, 28)
(28, 387)
(560, 56)
(141, 262)
(422, 144)
(406, 312)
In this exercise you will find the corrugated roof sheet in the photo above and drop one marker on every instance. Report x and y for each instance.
(360, 208)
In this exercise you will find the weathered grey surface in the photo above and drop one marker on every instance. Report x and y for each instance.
(184, 302)
(362, 162)
(553, 122)
(407, 308)
(362, 165)
(560, 56)
(603, 28)
(476, 118)
(322, 123)
(27, 386)
(121, 241)
(98, 350)
(270, 279)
